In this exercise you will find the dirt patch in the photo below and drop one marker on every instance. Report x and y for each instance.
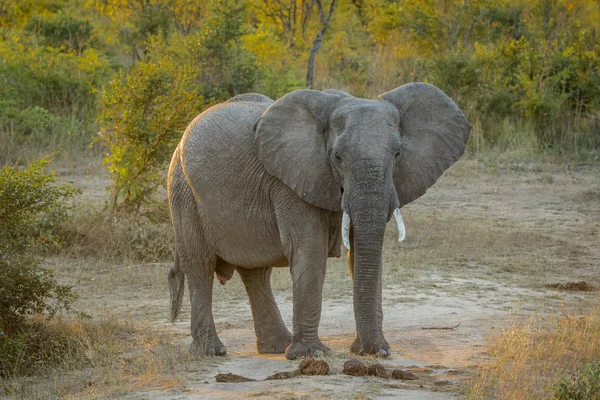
(581, 286)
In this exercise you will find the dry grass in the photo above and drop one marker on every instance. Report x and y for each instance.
(528, 359)
(440, 243)
(106, 357)
(95, 233)
(589, 196)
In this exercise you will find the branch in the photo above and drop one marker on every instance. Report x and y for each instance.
(321, 16)
(331, 8)
(450, 328)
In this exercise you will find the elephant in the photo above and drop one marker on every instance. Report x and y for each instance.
(256, 184)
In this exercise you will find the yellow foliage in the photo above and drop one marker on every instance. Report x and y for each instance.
(503, 60)
(266, 46)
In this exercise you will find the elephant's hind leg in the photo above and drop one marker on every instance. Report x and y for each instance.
(198, 262)
(272, 336)
(199, 268)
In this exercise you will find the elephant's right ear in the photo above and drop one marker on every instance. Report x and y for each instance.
(291, 144)
(434, 133)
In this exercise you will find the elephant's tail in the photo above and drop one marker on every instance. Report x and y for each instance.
(176, 285)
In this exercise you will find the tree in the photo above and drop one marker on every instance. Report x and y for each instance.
(324, 20)
(288, 15)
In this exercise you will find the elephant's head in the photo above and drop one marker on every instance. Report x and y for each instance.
(366, 158)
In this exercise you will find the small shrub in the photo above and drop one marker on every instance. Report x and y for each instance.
(34, 120)
(145, 110)
(32, 207)
(32, 350)
(585, 385)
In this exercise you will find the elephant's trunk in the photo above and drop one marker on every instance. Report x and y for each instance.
(369, 211)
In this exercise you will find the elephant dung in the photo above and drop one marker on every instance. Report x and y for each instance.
(284, 375)
(355, 368)
(403, 375)
(309, 366)
(312, 366)
(233, 378)
(377, 370)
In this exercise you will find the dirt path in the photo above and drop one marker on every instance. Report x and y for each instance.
(482, 246)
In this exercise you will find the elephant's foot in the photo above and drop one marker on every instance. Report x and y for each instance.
(303, 349)
(381, 350)
(208, 347)
(274, 343)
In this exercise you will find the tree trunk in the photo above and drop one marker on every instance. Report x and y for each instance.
(311, 59)
(318, 41)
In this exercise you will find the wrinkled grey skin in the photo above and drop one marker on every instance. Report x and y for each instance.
(256, 184)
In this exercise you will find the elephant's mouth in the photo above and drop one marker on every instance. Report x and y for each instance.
(346, 221)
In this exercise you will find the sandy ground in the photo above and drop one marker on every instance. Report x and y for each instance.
(481, 247)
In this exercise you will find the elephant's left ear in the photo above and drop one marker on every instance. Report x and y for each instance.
(434, 134)
(291, 144)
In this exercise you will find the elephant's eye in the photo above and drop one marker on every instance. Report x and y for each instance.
(397, 156)
(337, 157)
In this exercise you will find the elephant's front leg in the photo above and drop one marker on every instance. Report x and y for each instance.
(308, 275)
(304, 235)
(272, 336)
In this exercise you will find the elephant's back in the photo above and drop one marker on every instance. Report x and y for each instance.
(231, 187)
(219, 143)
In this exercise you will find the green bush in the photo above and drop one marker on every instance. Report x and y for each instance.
(62, 31)
(228, 68)
(48, 96)
(455, 74)
(63, 83)
(31, 209)
(584, 386)
(144, 115)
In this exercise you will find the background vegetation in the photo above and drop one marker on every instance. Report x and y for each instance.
(527, 73)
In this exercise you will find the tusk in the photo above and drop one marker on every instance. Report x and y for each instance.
(346, 230)
(400, 225)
